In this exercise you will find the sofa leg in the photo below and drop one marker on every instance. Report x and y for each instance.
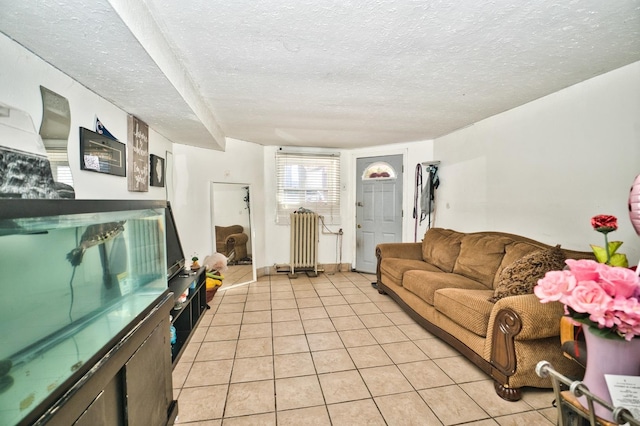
(508, 394)
(377, 287)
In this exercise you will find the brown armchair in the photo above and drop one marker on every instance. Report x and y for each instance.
(232, 242)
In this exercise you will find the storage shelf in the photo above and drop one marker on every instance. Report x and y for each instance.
(187, 315)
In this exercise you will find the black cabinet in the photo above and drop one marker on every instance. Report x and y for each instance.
(130, 385)
(187, 315)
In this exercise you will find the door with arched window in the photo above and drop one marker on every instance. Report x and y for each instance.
(378, 207)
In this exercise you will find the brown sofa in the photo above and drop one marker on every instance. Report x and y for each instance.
(232, 242)
(449, 282)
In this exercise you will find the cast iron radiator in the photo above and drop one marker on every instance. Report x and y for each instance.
(304, 242)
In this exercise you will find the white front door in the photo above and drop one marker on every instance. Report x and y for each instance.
(378, 207)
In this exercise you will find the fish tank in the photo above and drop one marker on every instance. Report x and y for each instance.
(77, 275)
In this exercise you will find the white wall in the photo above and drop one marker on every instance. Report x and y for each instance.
(21, 76)
(544, 169)
(541, 170)
(194, 170)
(328, 251)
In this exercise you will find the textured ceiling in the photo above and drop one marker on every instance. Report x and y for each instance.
(324, 73)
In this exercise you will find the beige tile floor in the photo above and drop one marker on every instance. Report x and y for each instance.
(237, 274)
(332, 351)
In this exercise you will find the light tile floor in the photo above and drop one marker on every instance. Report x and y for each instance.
(332, 351)
(237, 274)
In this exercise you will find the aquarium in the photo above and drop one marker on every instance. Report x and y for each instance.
(75, 276)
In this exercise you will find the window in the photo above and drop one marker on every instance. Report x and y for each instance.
(379, 170)
(311, 181)
(60, 166)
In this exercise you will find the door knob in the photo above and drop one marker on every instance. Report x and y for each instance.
(359, 204)
(359, 226)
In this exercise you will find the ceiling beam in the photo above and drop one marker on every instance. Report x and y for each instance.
(136, 16)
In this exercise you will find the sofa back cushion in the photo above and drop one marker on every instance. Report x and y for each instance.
(441, 247)
(480, 256)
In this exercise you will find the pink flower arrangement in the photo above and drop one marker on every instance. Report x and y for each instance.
(607, 298)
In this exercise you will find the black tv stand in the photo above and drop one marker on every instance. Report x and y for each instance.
(185, 274)
(187, 315)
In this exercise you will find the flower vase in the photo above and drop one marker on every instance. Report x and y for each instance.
(608, 356)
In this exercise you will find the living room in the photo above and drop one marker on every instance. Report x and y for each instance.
(541, 169)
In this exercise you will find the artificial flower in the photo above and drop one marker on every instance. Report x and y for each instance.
(604, 224)
(606, 298)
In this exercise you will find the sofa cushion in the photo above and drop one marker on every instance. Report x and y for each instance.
(480, 257)
(441, 247)
(393, 268)
(468, 309)
(513, 252)
(522, 275)
(424, 284)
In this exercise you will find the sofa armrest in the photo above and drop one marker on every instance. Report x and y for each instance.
(398, 250)
(237, 239)
(539, 320)
(236, 243)
(401, 250)
(518, 318)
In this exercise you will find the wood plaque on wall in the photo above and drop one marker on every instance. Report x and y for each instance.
(137, 155)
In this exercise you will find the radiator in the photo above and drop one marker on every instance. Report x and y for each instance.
(304, 242)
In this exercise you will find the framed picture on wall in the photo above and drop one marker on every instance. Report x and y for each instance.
(138, 155)
(101, 154)
(157, 172)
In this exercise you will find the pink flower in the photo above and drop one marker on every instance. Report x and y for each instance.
(629, 306)
(628, 310)
(589, 297)
(629, 331)
(555, 286)
(595, 294)
(621, 282)
(584, 269)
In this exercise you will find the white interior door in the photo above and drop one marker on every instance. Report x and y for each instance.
(378, 206)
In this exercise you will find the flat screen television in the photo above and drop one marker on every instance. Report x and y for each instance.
(175, 255)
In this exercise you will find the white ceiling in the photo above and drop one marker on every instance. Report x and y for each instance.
(325, 73)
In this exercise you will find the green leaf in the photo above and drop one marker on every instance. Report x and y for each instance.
(600, 252)
(605, 333)
(614, 246)
(617, 259)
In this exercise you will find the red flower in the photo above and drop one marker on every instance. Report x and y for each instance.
(604, 223)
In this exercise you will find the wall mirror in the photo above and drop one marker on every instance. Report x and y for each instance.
(54, 131)
(232, 235)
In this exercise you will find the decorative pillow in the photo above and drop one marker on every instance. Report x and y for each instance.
(522, 275)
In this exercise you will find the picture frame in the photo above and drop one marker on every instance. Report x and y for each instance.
(137, 155)
(101, 154)
(156, 171)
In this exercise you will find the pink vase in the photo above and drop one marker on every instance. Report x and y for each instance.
(608, 356)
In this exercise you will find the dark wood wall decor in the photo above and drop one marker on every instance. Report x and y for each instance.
(138, 155)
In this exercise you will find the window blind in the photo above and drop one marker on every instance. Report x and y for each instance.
(311, 181)
(60, 166)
